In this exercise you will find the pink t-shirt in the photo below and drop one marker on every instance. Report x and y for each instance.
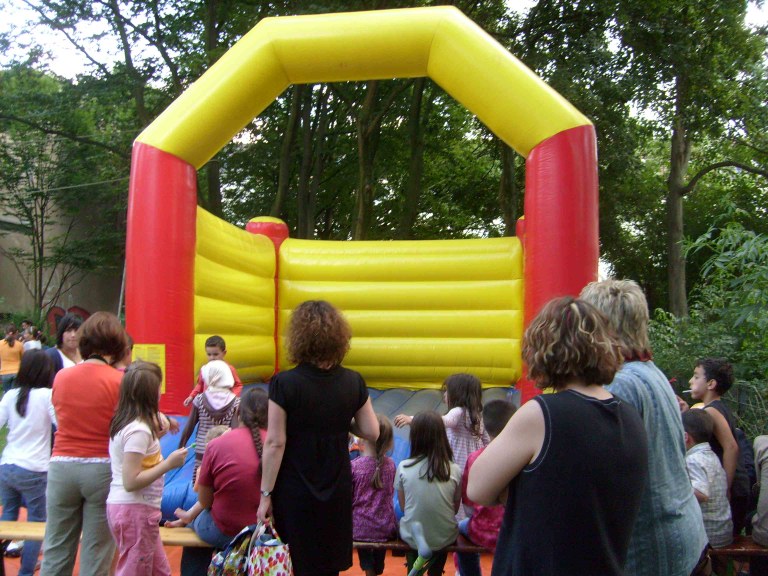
(230, 466)
(485, 523)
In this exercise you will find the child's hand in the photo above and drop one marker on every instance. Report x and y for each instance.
(187, 401)
(403, 420)
(177, 457)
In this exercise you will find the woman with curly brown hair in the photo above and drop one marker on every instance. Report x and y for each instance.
(571, 466)
(306, 478)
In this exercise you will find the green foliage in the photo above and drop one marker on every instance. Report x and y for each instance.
(727, 319)
(65, 198)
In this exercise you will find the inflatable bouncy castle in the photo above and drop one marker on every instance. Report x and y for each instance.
(419, 310)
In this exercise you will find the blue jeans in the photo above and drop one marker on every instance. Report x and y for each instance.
(469, 562)
(17, 483)
(8, 381)
(195, 561)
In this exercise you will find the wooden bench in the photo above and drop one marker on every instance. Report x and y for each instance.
(36, 531)
(399, 548)
(742, 548)
(187, 537)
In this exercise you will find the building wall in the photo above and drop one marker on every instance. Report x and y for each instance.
(99, 290)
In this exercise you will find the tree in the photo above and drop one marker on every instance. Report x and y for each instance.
(61, 196)
(693, 63)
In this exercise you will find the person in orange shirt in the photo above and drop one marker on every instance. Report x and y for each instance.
(10, 357)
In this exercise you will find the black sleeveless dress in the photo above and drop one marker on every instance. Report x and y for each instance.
(312, 500)
(571, 511)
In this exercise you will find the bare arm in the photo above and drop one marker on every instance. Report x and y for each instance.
(699, 496)
(728, 442)
(517, 445)
(136, 478)
(205, 496)
(365, 425)
(272, 456)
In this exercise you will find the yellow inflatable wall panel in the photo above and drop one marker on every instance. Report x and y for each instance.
(419, 310)
(439, 42)
(235, 295)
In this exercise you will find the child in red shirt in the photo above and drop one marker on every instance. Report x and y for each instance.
(215, 349)
(483, 522)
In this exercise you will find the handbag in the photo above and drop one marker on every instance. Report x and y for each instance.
(233, 559)
(267, 554)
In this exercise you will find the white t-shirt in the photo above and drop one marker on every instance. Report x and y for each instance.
(135, 437)
(65, 361)
(29, 438)
(32, 345)
(431, 503)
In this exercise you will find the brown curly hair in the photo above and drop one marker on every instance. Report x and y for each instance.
(570, 340)
(317, 334)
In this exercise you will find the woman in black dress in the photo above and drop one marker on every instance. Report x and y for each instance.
(306, 478)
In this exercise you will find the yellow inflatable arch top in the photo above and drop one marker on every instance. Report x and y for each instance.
(419, 310)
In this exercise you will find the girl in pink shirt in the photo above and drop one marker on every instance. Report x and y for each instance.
(133, 504)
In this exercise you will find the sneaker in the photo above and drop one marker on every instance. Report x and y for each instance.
(14, 549)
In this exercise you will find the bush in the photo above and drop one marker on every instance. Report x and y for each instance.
(727, 320)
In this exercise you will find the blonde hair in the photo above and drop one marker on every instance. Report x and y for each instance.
(624, 305)
(569, 340)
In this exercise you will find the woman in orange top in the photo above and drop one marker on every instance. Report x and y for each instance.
(84, 397)
(10, 357)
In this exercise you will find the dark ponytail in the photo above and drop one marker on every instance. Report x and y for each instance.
(36, 371)
(383, 443)
(253, 415)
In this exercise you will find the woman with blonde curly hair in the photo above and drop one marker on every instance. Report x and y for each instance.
(570, 466)
(306, 476)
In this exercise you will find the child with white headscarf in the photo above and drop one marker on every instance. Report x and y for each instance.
(216, 406)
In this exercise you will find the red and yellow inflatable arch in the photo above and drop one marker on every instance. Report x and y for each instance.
(189, 274)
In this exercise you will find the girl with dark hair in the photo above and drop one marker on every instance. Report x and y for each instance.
(66, 353)
(463, 394)
(312, 409)
(133, 504)
(428, 488)
(10, 356)
(230, 469)
(373, 512)
(28, 412)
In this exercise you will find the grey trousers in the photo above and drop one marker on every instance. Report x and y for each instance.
(77, 502)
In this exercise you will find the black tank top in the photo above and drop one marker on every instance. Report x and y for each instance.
(571, 511)
(741, 485)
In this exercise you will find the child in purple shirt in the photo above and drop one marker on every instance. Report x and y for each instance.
(373, 486)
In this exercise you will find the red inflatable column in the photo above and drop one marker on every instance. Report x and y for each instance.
(160, 259)
(561, 221)
(277, 231)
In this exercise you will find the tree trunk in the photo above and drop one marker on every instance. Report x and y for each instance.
(416, 165)
(306, 219)
(213, 178)
(367, 142)
(286, 152)
(318, 160)
(508, 189)
(679, 157)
